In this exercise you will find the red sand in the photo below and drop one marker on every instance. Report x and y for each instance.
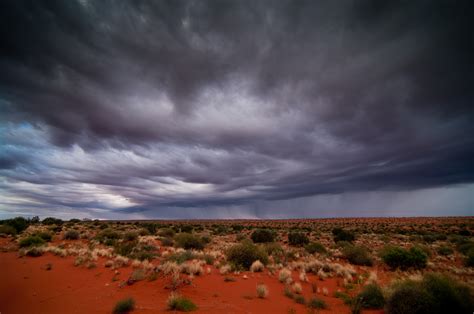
(27, 287)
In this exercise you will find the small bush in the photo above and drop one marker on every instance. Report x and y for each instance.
(357, 255)
(297, 239)
(188, 241)
(397, 257)
(166, 232)
(71, 235)
(181, 257)
(34, 252)
(299, 299)
(371, 297)
(130, 236)
(31, 241)
(262, 291)
(316, 303)
(445, 250)
(244, 254)
(179, 303)
(124, 306)
(315, 247)
(45, 236)
(167, 242)
(52, 221)
(434, 294)
(6, 229)
(257, 266)
(19, 223)
(342, 235)
(263, 236)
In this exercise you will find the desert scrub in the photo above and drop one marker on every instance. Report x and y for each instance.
(181, 257)
(179, 303)
(357, 255)
(444, 250)
(434, 294)
(7, 230)
(108, 236)
(71, 235)
(397, 257)
(343, 296)
(31, 241)
(342, 235)
(257, 266)
(124, 306)
(371, 297)
(299, 299)
(284, 275)
(263, 236)
(315, 247)
(262, 291)
(316, 303)
(297, 238)
(188, 241)
(244, 254)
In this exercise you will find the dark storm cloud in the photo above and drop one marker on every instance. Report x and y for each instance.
(157, 104)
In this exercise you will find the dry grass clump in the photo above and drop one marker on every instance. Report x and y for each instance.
(225, 269)
(297, 288)
(192, 268)
(257, 266)
(169, 268)
(179, 303)
(262, 291)
(284, 275)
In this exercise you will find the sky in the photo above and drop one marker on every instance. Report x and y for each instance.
(236, 109)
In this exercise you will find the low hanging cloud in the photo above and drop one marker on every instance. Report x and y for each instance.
(241, 109)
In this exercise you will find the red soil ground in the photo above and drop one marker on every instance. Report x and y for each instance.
(26, 286)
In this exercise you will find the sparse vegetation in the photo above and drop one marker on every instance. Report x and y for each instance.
(263, 236)
(188, 241)
(124, 306)
(180, 303)
(397, 257)
(71, 235)
(315, 247)
(297, 239)
(357, 255)
(316, 303)
(244, 254)
(262, 291)
(31, 241)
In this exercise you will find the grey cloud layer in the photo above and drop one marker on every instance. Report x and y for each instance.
(145, 105)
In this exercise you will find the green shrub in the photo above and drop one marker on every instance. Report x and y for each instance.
(315, 247)
(108, 236)
(343, 296)
(273, 248)
(19, 223)
(179, 303)
(188, 241)
(31, 241)
(343, 235)
(124, 306)
(316, 303)
(45, 236)
(166, 232)
(445, 250)
(34, 252)
(434, 294)
(181, 257)
(297, 239)
(71, 235)
(52, 221)
(244, 254)
(167, 241)
(357, 255)
(263, 236)
(299, 299)
(6, 229)
(397, 257)
(371, 297)
(130, 236)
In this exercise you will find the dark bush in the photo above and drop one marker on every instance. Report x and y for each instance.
(188, 241)
(297, 239)
(71, 235)
(181, 257)
(263, 236)
(45, 236)
(19, 223)
(6, 229)
(371, 297)
(166, 232)
(244, 254)
(34, 252)
(124, 306)
(108, 236)
(342, 235)
(434, 294)
(31, 241)
(315, 247)
(316, 303)
(445, 250)
(51, 221)
(469, 262)
(357, 255)
(180, 303)
(130, 236)
(167, 241)
(397, 257)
